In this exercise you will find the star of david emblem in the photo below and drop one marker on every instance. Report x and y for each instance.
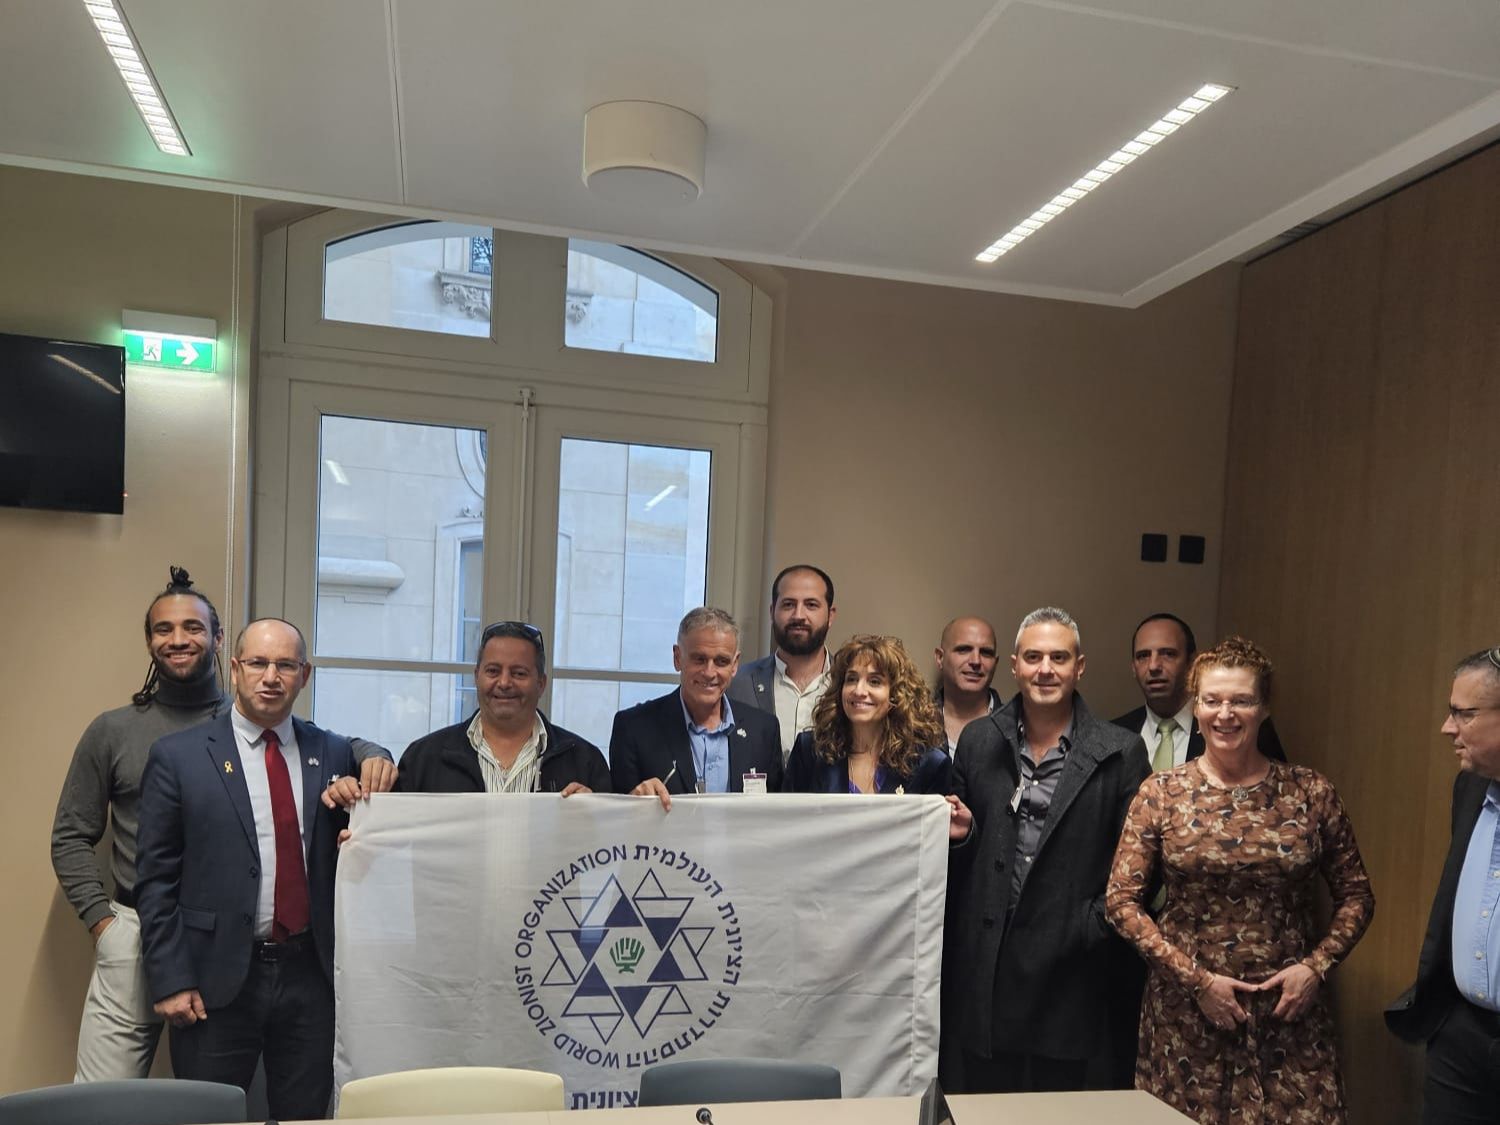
(627, 956)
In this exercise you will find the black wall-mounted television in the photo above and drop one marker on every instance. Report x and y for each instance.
(62, 425)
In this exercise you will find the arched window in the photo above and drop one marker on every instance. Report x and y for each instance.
(431, 277)
(621, 300)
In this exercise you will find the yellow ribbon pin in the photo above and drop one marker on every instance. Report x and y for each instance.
(228, 767)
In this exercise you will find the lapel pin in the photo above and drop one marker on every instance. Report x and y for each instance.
(312, 761)
(760, 687)
(228, 767)
(741, 732)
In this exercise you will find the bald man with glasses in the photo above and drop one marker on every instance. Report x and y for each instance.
(234, 882)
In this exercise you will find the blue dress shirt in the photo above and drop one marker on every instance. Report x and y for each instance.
(711, 748)
(1476, 937)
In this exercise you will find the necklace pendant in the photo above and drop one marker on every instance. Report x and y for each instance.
(1239, 793)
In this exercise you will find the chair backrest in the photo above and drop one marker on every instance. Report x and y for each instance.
(135, 1101)
(713, 1081)
(443, 1091)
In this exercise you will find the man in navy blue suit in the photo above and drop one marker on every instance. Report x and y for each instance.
(234, 882)
(692, 740)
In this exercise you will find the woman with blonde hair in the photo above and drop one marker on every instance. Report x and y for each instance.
(875, 730)
(1234, 1026)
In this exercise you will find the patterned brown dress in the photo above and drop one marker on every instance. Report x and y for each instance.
(1239, 867)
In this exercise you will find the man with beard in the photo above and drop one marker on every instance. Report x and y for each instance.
(118, 1034)
(790, 681)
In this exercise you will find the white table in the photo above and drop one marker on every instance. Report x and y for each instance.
(1118, 1107)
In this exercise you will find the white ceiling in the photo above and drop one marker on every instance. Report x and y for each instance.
(866, 136)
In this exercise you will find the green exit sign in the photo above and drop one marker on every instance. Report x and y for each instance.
(179, 353)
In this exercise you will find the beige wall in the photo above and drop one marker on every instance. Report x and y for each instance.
(1365, 550)
(941, 451)
(73, 587)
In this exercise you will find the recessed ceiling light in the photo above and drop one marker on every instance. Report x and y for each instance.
(125, 52)
(1128, 152)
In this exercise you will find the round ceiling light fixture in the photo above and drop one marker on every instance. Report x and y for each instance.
(643, 152)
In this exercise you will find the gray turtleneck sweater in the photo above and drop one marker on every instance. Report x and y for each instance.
(103, 787)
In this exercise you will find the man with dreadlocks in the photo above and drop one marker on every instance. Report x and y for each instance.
(119, 1031)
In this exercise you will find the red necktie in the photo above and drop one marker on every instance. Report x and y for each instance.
(290, 914)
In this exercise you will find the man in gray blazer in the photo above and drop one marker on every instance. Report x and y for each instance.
(790, 681)
(1046, 785)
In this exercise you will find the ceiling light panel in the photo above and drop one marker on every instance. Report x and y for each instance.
(1185, 111)
(140, 83)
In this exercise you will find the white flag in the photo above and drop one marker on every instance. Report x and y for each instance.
(595, 936)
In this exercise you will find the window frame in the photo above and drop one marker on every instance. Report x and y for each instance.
(721, 441)
(528, 294)
(308, 404)
(520, 382)
(306, 277)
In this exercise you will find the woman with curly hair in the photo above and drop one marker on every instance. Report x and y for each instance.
(1234, 1027)
(874, 731)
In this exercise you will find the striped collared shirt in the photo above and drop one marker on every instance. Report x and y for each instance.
(524, 772)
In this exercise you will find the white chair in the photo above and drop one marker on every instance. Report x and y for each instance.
(444, 1091)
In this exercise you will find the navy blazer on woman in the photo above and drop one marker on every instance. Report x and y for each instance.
(198, 859)
(808, 773)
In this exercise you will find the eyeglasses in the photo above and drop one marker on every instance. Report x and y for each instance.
(1463, 716)
(258, 666)
(1239, 704)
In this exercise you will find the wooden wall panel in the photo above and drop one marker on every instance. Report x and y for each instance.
(1362, 541)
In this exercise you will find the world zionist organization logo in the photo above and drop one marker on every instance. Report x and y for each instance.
(628, 956)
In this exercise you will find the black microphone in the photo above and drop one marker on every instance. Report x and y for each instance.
(704, 1116)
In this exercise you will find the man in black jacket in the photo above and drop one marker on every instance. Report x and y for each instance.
(1047, 786)
(507, 746)
(1452, 1007)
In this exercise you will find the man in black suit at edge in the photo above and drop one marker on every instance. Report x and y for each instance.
(691, 740)
(1042, 787)
(1161, 653)
(1453, 1007)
